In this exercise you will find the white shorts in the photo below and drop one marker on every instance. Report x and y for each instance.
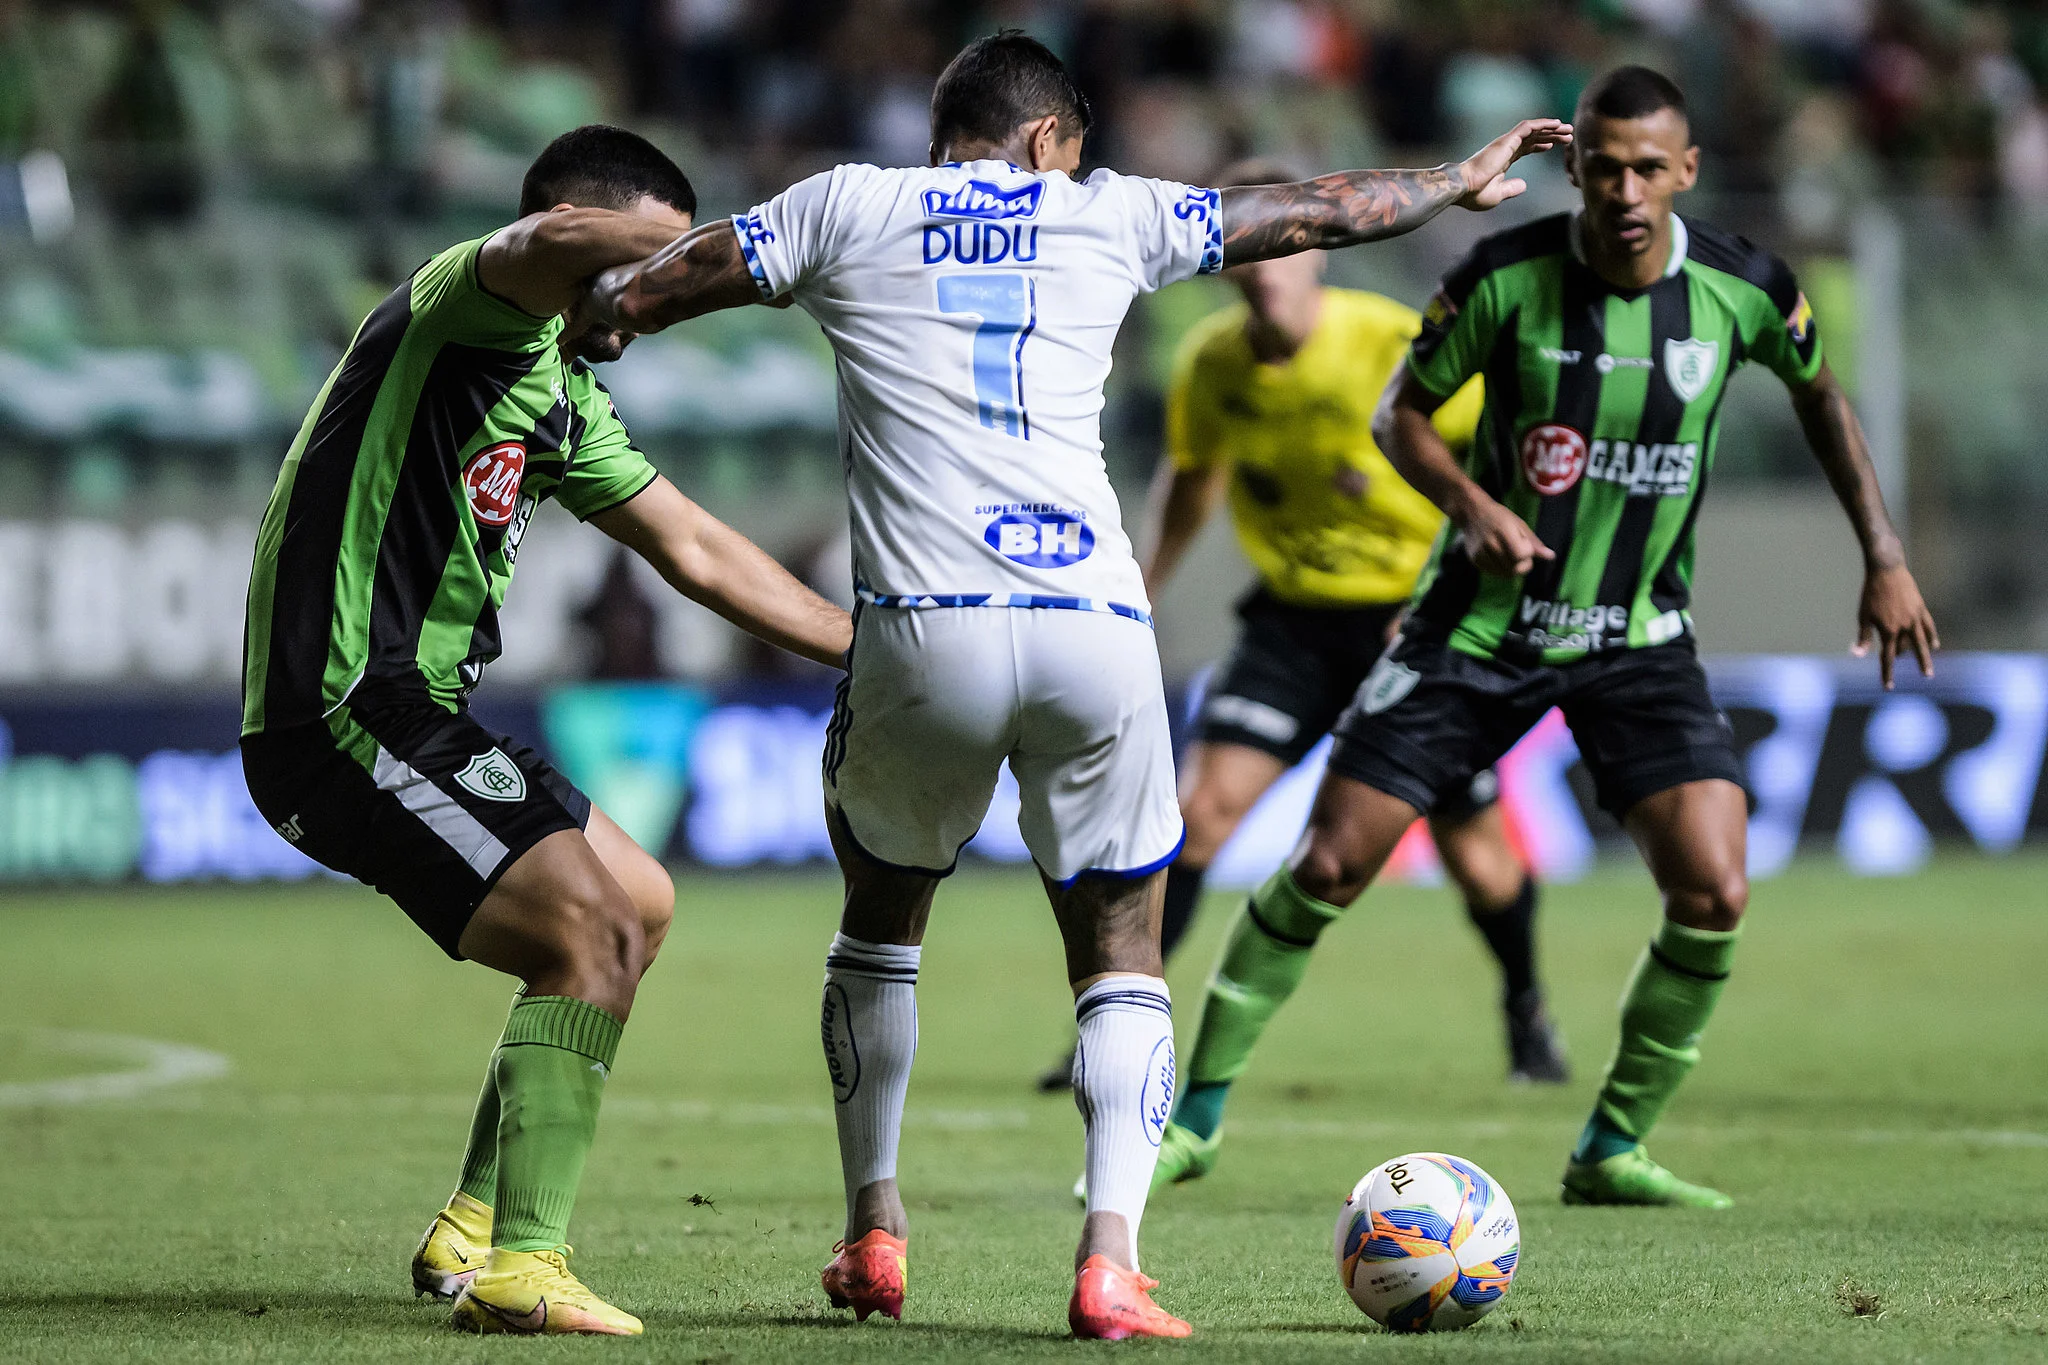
(937, 698)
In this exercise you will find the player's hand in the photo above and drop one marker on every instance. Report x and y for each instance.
(1893, 612)
(1499, 541)
(1486, 171)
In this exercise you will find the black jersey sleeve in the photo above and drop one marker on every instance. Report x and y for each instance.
(1778, 328)
(1458, 325)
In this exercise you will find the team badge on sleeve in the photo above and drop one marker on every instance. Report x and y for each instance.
(1799, 322)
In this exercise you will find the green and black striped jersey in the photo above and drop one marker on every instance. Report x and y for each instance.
(390, 538)
(1602, 409)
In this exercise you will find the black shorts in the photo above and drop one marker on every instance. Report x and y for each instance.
(420, 802)
(1292, 673)
(1430, 717)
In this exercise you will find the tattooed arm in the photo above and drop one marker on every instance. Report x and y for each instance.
(698, 273)
(1891, 609)
(1349, 207)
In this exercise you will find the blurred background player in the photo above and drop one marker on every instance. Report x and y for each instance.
(972, 306)
(1606, 337)
(464, 401)
(1273, 401)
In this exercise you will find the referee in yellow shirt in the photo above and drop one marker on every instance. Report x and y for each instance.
(1273, 402)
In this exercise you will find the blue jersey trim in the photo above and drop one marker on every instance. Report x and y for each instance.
(1212, 249)
(1023, 601)
(1128, 874)
(743, 227)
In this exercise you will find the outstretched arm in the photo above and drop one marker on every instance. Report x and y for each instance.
(707, 561)
(1498, 541)
(1349, 207)
(540, 262)
(695, 274)
(1891, 608)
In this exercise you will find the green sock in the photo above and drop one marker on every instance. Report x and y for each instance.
(480, 1159)
(1264, 956)
(550, 1069)
(1669, 1000)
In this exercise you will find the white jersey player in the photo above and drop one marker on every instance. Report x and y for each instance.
(972, 306)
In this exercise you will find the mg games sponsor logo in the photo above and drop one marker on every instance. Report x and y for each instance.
(980, 243)
(1155, 1101)
(1049, 539)
(1660, 469)
(1561, 625)
(517, 531)
(494, 777)
(491, 479)
(1553, 458)
(986, 201)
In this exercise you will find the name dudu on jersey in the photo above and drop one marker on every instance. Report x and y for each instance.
(972, 309)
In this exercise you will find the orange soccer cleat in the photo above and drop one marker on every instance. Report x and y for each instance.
(867, 1276)
(1111, 1303)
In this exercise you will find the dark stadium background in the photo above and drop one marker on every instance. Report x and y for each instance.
(199, 200)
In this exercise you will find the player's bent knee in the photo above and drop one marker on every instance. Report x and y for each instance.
(1715, 901)
(601, 932)
(1210, 816)
(1329, 868)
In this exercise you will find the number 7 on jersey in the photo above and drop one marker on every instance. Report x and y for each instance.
(1007, 305)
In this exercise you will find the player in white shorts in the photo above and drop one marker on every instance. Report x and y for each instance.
(972, 305)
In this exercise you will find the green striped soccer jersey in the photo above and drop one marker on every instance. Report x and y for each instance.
(1602, 409)
(391, 534)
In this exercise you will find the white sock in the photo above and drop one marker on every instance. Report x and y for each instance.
(869, 1023)
(1123, 1085)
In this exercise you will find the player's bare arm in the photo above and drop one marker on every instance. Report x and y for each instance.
(1891, 610)
(1499, 541)
(1349, 207)
(710, 563)
(1182, 500)
(701, 272)
(542, 262)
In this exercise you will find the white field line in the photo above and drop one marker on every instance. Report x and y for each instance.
(152, 1066)
(645, 1109)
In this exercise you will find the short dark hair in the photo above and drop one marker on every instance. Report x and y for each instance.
(1001, 81)
(1630, 92)
(601, 167)
(1259, 170)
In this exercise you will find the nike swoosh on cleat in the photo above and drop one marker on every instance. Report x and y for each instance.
(458, 1255)
(535, 1319)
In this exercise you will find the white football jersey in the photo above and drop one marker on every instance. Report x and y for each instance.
(972, 308)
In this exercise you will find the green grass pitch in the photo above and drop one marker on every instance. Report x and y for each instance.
(1875, 1094)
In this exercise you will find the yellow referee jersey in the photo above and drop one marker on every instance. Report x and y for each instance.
(1320, 511)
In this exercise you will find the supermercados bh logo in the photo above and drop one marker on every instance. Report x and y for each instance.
(986, 201)
(491, 479)
(1553, 458)
(1038, 535)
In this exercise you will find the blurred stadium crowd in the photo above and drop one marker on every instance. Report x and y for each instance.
(156, 99)
(199, 199)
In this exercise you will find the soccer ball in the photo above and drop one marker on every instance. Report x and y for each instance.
(1427, 1242)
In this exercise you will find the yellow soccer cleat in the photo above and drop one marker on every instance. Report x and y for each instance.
(454, 1248)
(528, 1293)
